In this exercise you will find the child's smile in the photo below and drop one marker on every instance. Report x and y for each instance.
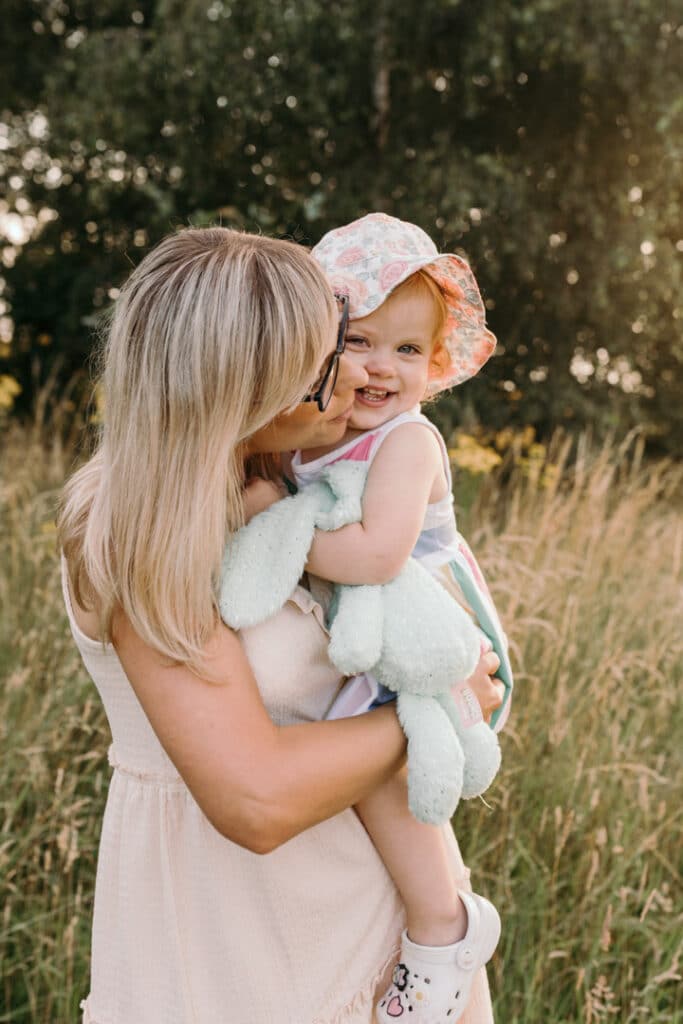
(372, 396)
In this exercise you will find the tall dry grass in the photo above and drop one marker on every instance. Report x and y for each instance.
(580, 844)
(53, 770)
(581, 848)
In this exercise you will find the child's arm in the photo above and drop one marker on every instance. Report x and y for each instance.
(398, 489)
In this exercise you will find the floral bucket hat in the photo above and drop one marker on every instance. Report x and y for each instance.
(368, 258)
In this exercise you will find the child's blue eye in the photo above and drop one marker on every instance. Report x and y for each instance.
(409, 348)
(355, 340)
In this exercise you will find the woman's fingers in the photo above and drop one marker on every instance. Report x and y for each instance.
(497, 696)
(492, 697)
(492, 662)
(488, 690)
(494, 691)
(259, 495)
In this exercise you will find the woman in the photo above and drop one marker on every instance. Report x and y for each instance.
(218, 751)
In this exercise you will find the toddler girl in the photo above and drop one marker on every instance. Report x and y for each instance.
(417, 326)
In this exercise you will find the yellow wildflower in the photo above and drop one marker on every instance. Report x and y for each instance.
(474, 457)
(9, 389)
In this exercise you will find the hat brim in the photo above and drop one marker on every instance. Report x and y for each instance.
(467, 340)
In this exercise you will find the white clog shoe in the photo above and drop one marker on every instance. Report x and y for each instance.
(432, 984)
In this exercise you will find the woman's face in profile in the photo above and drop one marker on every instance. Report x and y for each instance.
(307, 427)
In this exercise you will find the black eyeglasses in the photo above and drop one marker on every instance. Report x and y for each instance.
(324, 386)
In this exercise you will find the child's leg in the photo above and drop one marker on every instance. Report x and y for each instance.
(415, 856)
(449, 937)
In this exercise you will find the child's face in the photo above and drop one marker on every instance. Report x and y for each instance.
(395, 347)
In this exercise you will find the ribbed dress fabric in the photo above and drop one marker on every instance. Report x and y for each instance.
(188, 927)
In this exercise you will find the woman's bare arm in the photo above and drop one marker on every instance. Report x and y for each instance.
(257, 783)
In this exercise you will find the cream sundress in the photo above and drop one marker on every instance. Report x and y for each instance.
(188, 927)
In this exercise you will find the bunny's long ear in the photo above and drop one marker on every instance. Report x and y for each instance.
(264, 561)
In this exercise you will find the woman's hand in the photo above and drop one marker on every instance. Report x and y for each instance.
(488, 690)
(259, 495)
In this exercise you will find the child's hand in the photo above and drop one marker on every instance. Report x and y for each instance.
(259, 495)
(488, 690)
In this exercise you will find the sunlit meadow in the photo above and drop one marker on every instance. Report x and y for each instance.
(579, 840)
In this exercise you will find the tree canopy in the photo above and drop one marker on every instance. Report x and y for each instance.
(541, 138)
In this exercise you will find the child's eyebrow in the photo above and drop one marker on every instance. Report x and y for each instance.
(375, 331)
(416, 339)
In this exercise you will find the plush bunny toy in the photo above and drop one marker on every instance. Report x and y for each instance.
(409, 633)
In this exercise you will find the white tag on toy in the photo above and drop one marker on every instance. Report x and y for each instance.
(468, 706)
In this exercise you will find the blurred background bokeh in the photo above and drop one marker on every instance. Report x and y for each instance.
(543, 139)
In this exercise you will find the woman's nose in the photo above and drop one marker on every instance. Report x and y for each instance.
(351, 375)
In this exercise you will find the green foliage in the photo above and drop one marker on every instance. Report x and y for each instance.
(541, 137)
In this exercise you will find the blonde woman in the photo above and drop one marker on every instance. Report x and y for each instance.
(234, 879)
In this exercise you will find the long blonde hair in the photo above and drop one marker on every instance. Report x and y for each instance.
(213, 334)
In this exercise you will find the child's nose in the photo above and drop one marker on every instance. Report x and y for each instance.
(379, 363)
